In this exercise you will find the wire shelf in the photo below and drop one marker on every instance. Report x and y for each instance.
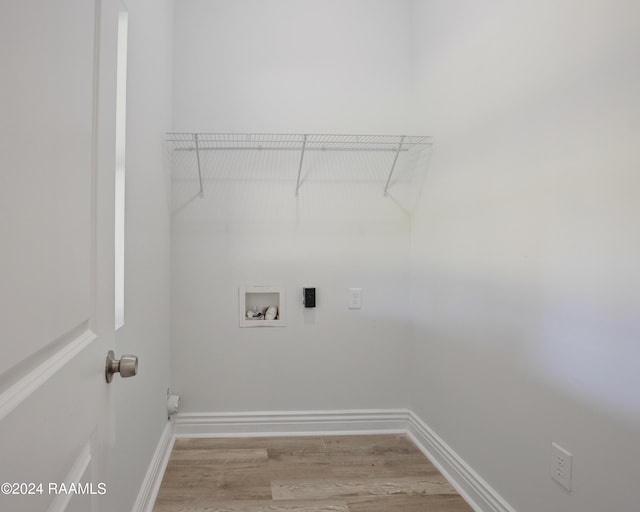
(392, 145)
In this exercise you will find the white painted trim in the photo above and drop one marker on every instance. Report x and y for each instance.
(60, 501)
(152, 480)
(29, 383)
(286, 423)
(471, 486)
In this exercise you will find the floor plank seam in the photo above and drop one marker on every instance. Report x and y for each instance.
(370, 473)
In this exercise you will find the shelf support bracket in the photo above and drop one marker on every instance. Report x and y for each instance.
(195, 138)
(304, 143)
(393, 166)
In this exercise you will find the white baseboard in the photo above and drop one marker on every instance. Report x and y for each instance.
(471, 486)
(152, 480)
(286, 423)
(478, 493)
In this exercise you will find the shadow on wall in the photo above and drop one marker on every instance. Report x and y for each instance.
(519, 371)
(565, 341)
(499, 371)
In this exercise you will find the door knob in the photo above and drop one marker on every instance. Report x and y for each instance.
(127, 366)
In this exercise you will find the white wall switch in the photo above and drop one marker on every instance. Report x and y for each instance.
(355, 298)
(561, 461)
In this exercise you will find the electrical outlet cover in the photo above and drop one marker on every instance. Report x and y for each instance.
(561, 465)
(355, 298)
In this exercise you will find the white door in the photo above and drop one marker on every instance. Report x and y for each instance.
(57, 164)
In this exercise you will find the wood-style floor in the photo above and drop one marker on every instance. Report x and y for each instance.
(377, 473)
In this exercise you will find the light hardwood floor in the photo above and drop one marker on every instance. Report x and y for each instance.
(374, 473)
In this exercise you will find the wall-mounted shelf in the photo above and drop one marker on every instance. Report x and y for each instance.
(392, 151)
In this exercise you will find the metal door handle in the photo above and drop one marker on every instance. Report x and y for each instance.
(127, 366)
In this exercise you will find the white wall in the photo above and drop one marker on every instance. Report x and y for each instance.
(291, 67)
(526, 246)
(140, 402)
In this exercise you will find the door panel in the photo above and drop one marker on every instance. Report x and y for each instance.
(56, 233)
(45, 436)
(47, 55)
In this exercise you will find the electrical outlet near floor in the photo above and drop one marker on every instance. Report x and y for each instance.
(561, 462)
